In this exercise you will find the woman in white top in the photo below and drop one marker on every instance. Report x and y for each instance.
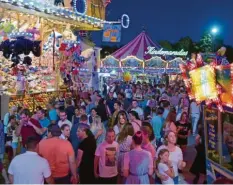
(125, 141)
(176, 156)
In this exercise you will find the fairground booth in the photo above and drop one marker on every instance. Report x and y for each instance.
(209, 81)
(45, 49)
(143, 58)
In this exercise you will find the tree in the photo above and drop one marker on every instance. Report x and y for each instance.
(184, 43)
(166, 45)
(206, 44)
(108, 50)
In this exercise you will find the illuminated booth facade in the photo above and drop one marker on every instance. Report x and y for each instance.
(212, 86)
(142, 56)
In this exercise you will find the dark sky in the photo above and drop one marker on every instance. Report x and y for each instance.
(172, 19)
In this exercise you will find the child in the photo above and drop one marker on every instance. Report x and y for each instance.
(165, 166)
(12, 139)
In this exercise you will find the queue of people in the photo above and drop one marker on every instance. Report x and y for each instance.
(137, 134)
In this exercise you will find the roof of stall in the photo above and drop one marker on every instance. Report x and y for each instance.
(136, 48)
(56, 14)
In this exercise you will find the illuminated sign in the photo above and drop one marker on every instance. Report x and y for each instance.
(153, 51)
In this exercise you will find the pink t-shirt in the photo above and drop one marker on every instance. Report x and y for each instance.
(108, 157)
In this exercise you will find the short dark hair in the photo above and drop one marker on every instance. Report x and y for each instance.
(137, 138)
(62, 111)
(69, 101)
(160, 110)
(118, 103)
(54, 130)
(12, 117)
(25, 112)
(32, 142)
(64, 126)
(42, 111)
(166, 104)
(83, 117)
(110, 130)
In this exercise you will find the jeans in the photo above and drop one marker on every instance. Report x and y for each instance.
(105, 123)
(176, 180)
(195, 118)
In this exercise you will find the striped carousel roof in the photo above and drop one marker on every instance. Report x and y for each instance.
(136, 47)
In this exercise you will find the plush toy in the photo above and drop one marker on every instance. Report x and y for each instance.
(6, 48)
(25, 46)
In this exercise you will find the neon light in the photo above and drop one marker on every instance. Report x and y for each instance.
(85, 7)
(152, 51)
(125, 16)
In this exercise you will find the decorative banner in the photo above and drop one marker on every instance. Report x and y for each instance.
(153, 51)
(110, 62)
(155, 63)
(112, 33)
(204, 83)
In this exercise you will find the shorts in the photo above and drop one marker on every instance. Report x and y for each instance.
(14, 145)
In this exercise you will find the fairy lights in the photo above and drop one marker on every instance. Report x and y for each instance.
(84, 8)
(63, 12)
(125, 18)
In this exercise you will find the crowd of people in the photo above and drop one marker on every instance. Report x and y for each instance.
(128, 134)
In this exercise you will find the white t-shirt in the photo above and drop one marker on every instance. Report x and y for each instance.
(162, 168)
(29, 168)
(108, 157)
(60, 123)
(174, 157)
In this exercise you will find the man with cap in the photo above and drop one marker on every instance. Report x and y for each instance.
(60, 156)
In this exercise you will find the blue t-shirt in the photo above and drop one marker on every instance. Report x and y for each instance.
(157, 124)
(53, 115)
(44, 123)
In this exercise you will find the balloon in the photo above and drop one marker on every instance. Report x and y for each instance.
(127, 77)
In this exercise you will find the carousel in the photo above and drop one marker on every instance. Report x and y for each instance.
(143, 58)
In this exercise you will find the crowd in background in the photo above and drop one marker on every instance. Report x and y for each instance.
(129, 133)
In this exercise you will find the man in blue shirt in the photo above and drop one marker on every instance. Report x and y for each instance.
(157, 124)
(53, 117)
(44, 122)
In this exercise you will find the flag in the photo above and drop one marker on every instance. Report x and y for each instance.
(106, 2)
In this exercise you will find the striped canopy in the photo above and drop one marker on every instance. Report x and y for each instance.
(136, 48)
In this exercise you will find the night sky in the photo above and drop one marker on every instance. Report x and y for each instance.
(172, 19)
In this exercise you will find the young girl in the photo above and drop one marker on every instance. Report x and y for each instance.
(165, 166)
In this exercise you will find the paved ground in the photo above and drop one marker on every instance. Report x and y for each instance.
(186, 177)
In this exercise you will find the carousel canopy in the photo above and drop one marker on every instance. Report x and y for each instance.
(136, 48)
